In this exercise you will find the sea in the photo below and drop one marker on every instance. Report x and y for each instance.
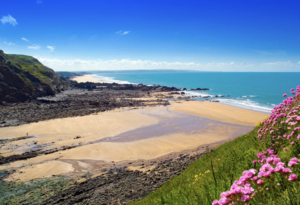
(258, 91)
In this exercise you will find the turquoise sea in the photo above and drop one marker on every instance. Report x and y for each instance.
(254, 90)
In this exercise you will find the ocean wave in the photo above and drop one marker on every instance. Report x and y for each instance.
(249, 96)
(111, 79)
(247, 104)
(196, 93)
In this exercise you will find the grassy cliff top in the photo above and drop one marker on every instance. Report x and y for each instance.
(27, 66)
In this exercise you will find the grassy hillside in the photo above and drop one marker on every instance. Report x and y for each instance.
(38, 77)
(257, 168)
(32, 66)
(206, 178)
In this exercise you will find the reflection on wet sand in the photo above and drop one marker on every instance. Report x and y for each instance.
(174, 122)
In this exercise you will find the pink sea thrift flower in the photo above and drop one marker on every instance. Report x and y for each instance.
(254, 161)
(292, 143)
(294, 161)
(254, 179)
(278, 184)
(215, 202)
(223, 201)
(284, 95)
(245, 198)
(260, 181)
(284, 149)
(286, 171)
(292, 177)
(259, 154)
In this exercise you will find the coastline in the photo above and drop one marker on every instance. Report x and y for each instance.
(188, 93)
(87, 78)
(139, 136)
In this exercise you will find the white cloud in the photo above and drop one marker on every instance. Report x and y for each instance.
(39, 2)
(8, 43)
(127, 64)
(281, 66)
(35, 47)
(51, 48)
(122, 32)
(278, 64)
(9, 19)
(298, 62)
(24, 39)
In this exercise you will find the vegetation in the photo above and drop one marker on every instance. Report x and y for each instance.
(272, 176)
(32, 66)
(32, 191)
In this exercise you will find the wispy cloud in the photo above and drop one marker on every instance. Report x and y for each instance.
(122, 32)
(51, 48)
(127, 64)
(9, 19)
(24, 39)
(35, 47)
(8, 43)
(278, 64)
(39, 2)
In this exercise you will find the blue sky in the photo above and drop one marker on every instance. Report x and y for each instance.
(210, 35)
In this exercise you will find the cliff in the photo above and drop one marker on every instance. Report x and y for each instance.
(24, 78)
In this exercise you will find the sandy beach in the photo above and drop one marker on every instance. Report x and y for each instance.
(124, 135)
(88, 78)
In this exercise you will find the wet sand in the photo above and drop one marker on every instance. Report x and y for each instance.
(123, 136)
(220, 112)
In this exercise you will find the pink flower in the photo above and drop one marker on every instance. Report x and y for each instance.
(254, 161)
(223, 201)
(215, 202)
(292, 143)
(292, 177)
(298, 137)
(254, 178)
(278, 184)
(291, 163)
(259, 154)
(284, 149)
(260, 181)
(295, 159)
(286, 171)
(284, 95)
(245, 198)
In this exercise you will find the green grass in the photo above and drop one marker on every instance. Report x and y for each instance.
(27, 65)
(204, 180)
(31, 65)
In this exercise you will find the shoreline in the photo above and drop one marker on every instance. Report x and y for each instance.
(87, 78)
(91, 78)
(140, 136)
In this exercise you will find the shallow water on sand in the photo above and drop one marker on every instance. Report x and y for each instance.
(176, 123)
